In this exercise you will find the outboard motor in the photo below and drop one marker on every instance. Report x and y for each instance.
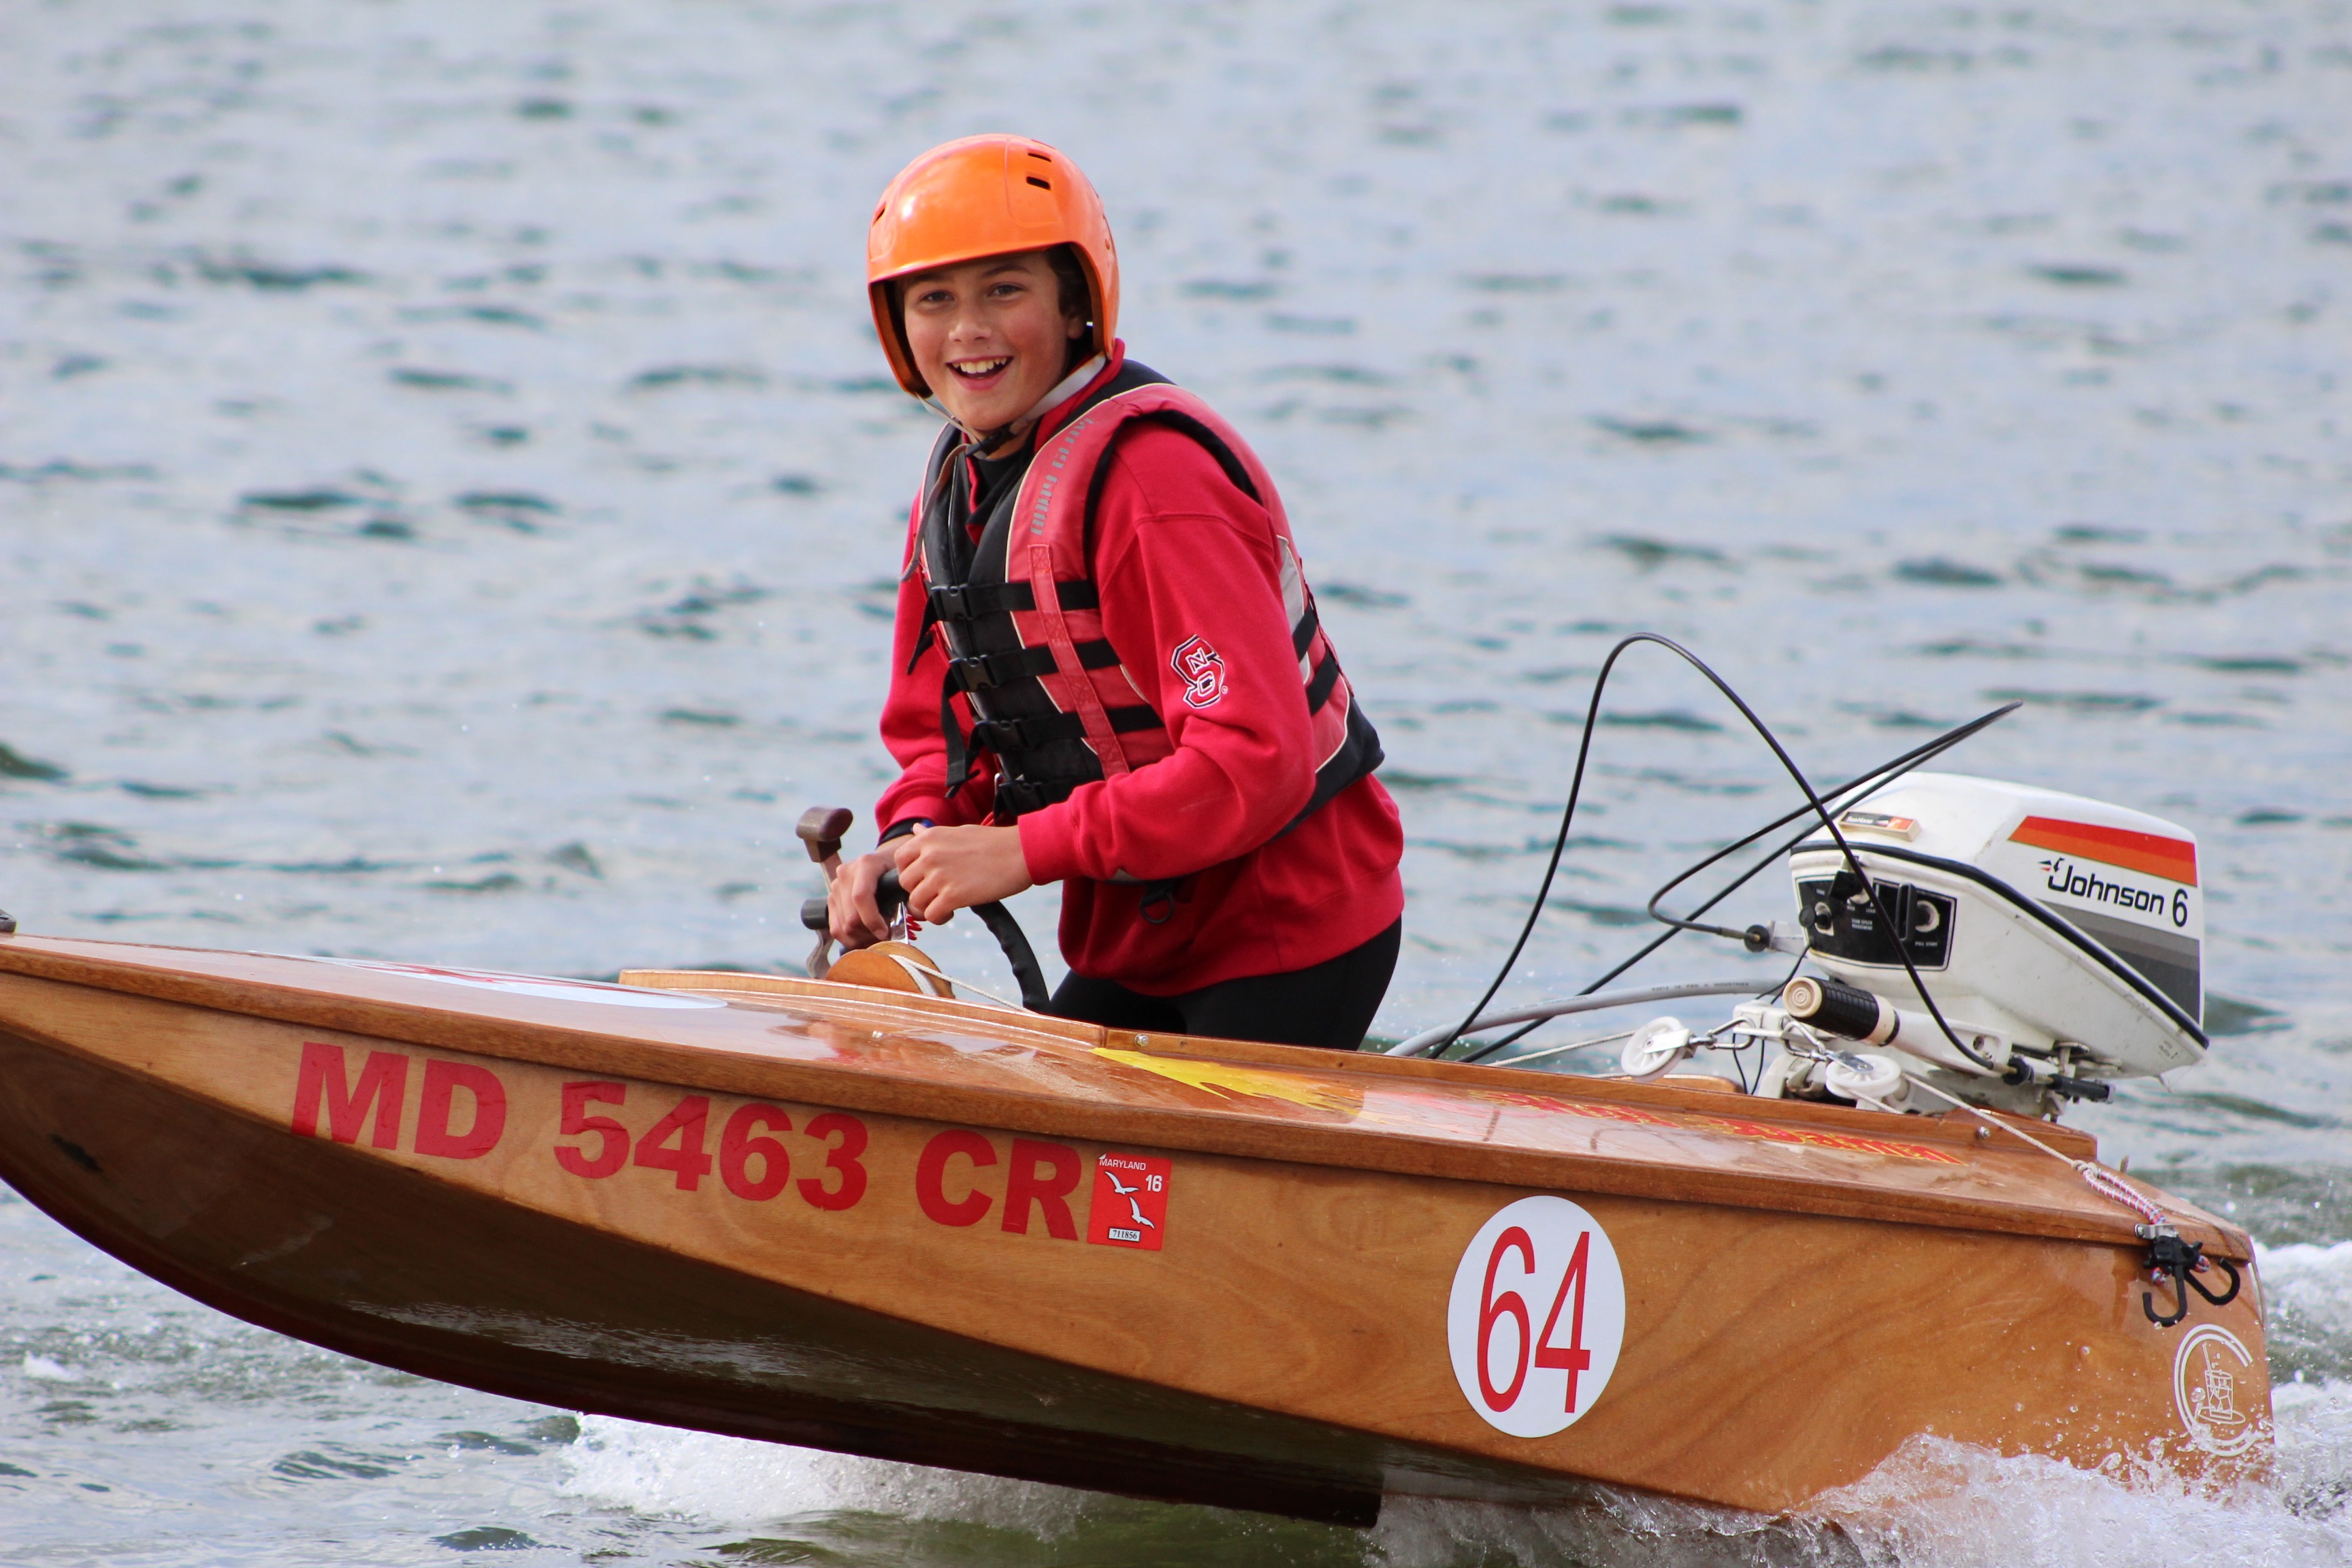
(2061, 938)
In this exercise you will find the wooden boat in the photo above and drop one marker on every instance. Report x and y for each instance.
(936, 1231)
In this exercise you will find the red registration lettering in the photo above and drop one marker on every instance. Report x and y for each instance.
(1044, 1174)
(930, 1178)
(577, 1123)
(685, 1122)
(738, 1146)
(442, 1081)
(383, 1083)
(840, 1159)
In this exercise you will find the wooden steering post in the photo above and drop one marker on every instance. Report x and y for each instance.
(821, 828)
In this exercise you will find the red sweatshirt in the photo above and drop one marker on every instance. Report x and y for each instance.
(1180, 554)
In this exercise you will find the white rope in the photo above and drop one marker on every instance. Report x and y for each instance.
(920, 973)
(2103, 1181)
(1536, 1055)
(1445, 1033)
(2115, 1187)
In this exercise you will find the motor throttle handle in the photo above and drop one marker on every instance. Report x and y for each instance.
(888, 893)
(820, 827)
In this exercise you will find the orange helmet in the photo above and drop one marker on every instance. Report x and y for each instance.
(985, 195)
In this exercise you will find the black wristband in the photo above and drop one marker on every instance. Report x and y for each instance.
(902, 827)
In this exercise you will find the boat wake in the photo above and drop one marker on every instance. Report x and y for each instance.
(2308, 1322)
(1935, 1504)
(734, 1482)
(1938, 1504)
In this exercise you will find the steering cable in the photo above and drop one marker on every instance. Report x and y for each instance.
(1814, 806)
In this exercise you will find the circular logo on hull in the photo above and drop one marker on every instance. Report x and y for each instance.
(1537, 1316)
(2212, 1375)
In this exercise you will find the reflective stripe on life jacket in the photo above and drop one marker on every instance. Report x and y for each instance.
(1022, 617)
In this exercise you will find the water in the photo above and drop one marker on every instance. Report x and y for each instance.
(449, 495)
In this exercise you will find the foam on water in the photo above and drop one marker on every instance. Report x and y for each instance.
(1939, 1505)
(2309, 1309)
(1934, 1504)
(731, 1480)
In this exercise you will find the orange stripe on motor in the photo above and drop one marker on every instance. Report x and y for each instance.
(2173, 858)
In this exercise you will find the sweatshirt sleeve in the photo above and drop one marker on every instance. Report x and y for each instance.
(910, 720)
(1192, 604)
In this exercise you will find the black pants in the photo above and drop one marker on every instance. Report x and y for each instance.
(1329, 1004)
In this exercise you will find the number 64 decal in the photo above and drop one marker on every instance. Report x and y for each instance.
(1537, 1316)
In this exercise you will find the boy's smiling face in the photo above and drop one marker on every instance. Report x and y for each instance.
(989, 335)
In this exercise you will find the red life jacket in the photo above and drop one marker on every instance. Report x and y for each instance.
(1023, 618)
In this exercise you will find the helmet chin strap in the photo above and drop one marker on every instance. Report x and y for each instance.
(989, 440)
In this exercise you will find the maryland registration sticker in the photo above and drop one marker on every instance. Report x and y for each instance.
(1131, 1201)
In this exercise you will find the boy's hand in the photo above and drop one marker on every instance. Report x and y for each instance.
(850, 905)
(948, 869)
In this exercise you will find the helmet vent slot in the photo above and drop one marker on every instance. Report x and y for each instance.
(1041, 185)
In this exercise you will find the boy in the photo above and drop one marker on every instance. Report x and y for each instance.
(1108, 669)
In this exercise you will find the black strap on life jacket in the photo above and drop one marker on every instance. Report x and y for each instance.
(1360, 753)
(1040, 751)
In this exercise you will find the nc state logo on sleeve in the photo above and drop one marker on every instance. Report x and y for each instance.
(1204, 669)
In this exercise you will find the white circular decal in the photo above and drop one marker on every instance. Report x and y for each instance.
(1537, 1316)
(2211, 1373)
(536, 986)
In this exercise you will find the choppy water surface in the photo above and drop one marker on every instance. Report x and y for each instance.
(450, 496)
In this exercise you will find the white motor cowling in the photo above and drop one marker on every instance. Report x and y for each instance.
(2064, 929)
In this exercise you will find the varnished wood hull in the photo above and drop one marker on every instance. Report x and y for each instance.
(1284, 1347)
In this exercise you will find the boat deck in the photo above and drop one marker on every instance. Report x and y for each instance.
(958, 1062)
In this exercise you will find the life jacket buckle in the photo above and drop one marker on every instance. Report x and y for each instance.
(997, 734)
(1019, 796)
(973, 672)
(1032, 619)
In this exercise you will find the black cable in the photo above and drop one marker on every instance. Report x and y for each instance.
(1845, 851)
(1813, 799)
(1885, 773)
(1514, 1037)
(1776, 991)
(1558, 846)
